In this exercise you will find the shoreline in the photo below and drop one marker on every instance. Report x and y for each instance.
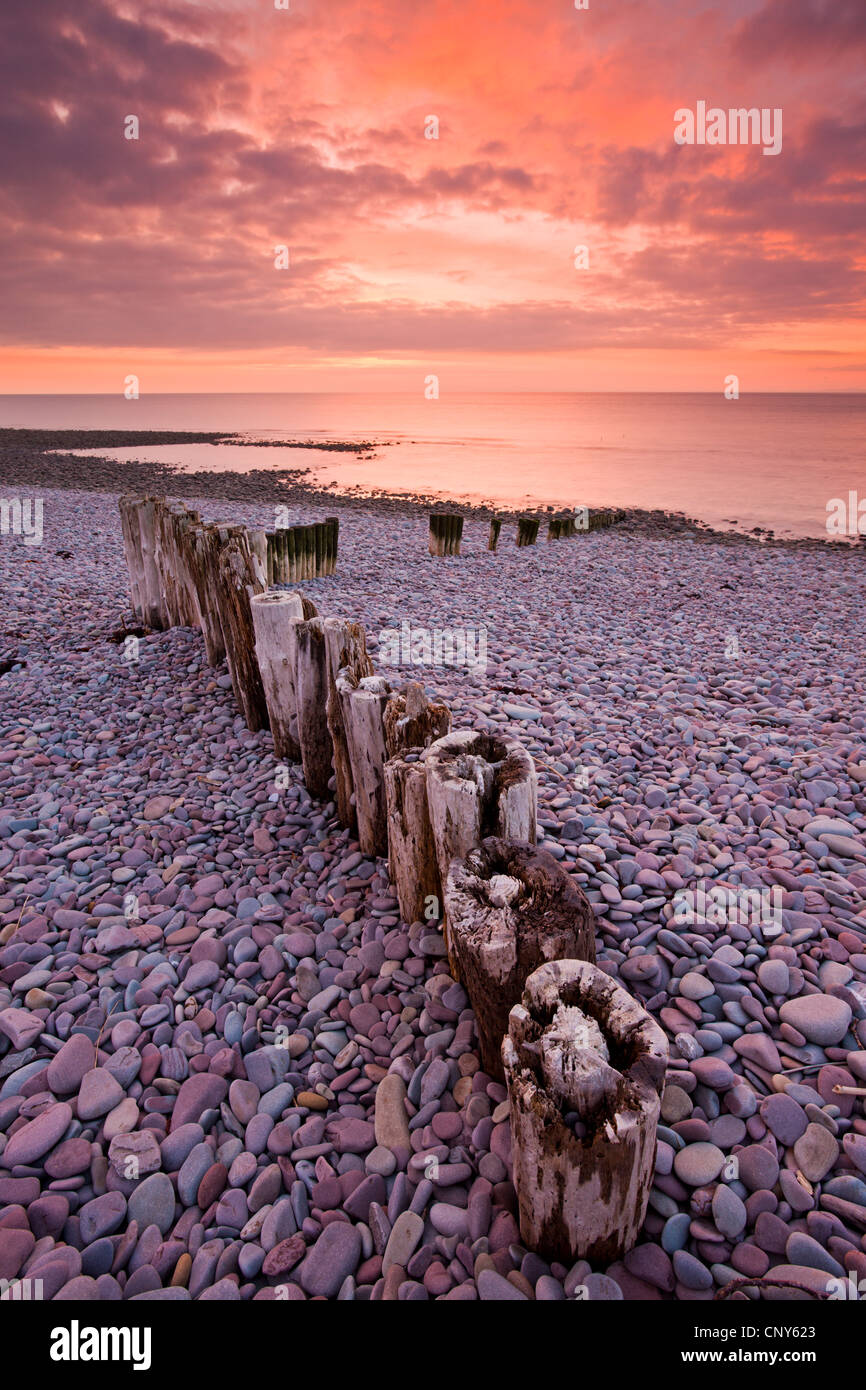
(31, 457)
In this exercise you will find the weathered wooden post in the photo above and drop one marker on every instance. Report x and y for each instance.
(559, 527)
(346, 649)
(139, 524)
(203, 546)
(478, 785)
(333, 525)
(446, 531)
(585, 1066)
(495, 528)
(167, 562)
(311, 676)
(436, 544)
(527, 530)
(362, 705)
(241, 576)
(411, 724)
(274, 613)
(131, 532)
(510, 908)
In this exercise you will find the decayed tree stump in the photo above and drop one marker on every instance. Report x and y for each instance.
(411, 724)
(446, 532)
(274, 614)
(585, 1066)
(362, 705)
(346, 649)
(311, 676)
(527, 530)
(510, 908)
(493, 538)
(240, 576)
(478, 785)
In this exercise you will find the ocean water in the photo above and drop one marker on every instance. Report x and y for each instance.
(771, 461)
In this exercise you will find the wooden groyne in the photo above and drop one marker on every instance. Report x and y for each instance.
(455, 812)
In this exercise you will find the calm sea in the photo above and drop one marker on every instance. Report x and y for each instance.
(765, 460)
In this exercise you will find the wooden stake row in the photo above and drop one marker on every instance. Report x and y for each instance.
(456, 814)
(558, 528)
(296, 553)
(185, 573)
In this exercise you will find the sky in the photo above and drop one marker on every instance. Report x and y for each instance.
(430, 170)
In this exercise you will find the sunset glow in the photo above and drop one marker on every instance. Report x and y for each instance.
(308, 128)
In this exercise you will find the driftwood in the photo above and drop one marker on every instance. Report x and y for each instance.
(446, 532)
(346, 650)
(527, 530)
(411, 724)
(493, 537)
(585, 1066)
(362, 705)
(510, 908)
(311, 689)
(478, 785)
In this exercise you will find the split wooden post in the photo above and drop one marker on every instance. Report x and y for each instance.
(585, 1066)
(140, 517)
(411, 724)
(510, 908)
(527, 530)
(362, 705)
(173, 521)
(478, 785)
(495, 528)
(241, 576)
(203, 546)
(311, 676)
(274, 614)
(346, 649)
(131, 533)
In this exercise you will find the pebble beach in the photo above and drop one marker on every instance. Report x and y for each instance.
(229, 1071)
